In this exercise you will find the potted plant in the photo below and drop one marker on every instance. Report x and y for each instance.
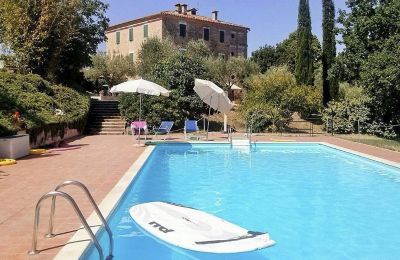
(15, 146)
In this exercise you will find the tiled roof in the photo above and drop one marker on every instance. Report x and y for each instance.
(173, 13)
(131, 22)
(202, 18)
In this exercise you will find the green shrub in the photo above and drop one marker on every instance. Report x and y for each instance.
(379, 129)
(351, 114)
(7, 125)
(274, 96)
(43, 107)
(350, 108)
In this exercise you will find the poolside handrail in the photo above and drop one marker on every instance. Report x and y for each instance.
(78, 212)
(251, 132)
(92, 201)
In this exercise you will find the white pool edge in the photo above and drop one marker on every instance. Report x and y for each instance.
(74, 250)
(368, 156)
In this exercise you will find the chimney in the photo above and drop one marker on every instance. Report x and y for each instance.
(193, 11)
(178, 8)
(184, 8)
(214, 15)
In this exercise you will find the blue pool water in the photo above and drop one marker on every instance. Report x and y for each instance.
(316, 202)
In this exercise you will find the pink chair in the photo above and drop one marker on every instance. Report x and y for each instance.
(139, 125)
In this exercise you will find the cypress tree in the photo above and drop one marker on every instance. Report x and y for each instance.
(304, 60)
(328, 50)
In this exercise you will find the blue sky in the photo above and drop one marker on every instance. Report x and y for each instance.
(270, 21)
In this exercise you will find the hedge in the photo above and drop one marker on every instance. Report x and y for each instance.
(42, 106)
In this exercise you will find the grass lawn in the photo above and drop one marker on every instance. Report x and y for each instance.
(375, 141)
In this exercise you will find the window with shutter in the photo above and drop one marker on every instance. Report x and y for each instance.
(145, 30)
(131, 34)
(118, 37)
(206, 34)
(221, 36)
(182, 30)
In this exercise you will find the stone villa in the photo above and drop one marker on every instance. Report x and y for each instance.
(225, 39)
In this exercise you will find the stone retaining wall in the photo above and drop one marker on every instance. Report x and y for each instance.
(47, 139)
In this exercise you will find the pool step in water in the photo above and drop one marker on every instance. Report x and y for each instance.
(241, 142)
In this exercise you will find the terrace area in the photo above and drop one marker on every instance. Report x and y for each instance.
(99, 162)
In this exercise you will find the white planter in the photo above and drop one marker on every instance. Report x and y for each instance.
(14, 147)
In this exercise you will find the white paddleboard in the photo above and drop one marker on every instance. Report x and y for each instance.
(196, 230)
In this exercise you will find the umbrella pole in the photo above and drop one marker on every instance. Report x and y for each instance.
(208, 118)
(140, 114)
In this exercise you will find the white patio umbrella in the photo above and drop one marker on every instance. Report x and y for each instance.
(140, 86)
(213, 96)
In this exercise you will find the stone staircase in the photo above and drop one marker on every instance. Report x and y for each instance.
(105, 119)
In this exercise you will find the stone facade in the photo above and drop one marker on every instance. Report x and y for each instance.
(181, 26)
(235, 38)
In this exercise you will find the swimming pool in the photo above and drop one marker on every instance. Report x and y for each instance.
(315, 201)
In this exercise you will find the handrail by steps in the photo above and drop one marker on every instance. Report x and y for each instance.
(78, 212)
(92, 201)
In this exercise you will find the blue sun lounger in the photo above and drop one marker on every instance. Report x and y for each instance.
(164, 128)
(191, 127)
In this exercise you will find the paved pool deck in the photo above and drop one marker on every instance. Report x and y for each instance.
(99, 162)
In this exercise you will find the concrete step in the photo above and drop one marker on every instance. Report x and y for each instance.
(105, 129)
(105, 117)
(103, 105)
(110, 129)
(104, 101)
(104, 108)
(95, 114)
(103, 123)
(100, 109)
(105, 133)
(240, 142)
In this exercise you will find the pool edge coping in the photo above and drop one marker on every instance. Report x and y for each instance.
(80, 241)
(365, 155)
(73, 250)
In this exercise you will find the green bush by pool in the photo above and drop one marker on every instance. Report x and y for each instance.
(42, 105)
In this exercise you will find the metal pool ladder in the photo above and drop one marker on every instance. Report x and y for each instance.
(243, 142)
(54, 194)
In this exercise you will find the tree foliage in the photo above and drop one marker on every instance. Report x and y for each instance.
(233, 71)
(284, 54)
(266, 57)
(350, 113)
(330, 84)
(350, 107)
(152, 52)
(275, 96)
(53, 38)
(176, 73)
(371, 34)
(304, 60)
(198, 49)
(108, 70)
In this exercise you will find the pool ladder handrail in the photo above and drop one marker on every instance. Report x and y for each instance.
(250, 133)
(53, 195)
